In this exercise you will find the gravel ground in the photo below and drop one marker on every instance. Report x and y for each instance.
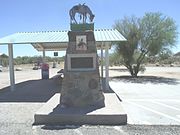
(17, 118)
(26, 129)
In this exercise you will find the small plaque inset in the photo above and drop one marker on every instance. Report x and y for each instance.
(81, 43)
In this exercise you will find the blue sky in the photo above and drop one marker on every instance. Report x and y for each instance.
(47, 15)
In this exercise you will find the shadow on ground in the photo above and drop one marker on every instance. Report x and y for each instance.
(104, 87)
(31, 91)
(120, 69)
(146, 79)
(60, 127)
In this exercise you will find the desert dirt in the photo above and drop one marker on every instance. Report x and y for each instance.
(166, 72)
(28, 74)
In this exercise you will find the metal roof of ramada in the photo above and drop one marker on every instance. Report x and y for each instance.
(57, 40)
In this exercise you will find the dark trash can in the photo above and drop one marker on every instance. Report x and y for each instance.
(45, 71)
(54, 65)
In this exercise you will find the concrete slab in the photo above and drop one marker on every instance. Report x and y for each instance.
(149, 103)
(52, 113)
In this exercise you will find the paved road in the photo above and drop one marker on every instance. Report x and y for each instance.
(150, 103)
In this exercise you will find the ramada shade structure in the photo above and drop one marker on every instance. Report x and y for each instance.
(57, 41)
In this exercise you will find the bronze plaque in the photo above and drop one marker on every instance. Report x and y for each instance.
(81, 62)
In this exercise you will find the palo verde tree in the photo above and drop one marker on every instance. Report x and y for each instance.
(146, 36)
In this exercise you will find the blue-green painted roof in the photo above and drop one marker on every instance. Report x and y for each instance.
(58, 39)
(35, 37)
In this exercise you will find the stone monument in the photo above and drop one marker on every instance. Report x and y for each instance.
(81, 84)
(81, 100)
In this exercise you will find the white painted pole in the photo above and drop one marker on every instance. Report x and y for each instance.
(102, 61)
(107, 66)
(11, 67)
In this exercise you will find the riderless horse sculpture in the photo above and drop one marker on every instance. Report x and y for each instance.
(83, 10)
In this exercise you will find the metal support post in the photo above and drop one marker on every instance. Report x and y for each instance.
(11, 67)
(107, 66)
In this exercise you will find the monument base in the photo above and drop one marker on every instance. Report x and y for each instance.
(53, 114)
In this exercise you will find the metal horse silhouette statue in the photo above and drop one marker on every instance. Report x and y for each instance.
(82, 10)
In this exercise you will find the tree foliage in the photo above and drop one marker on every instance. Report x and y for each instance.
(35, 59)
(4, 60)
(157, 32)
(28, 60)
(115, 59)
(146, 36)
